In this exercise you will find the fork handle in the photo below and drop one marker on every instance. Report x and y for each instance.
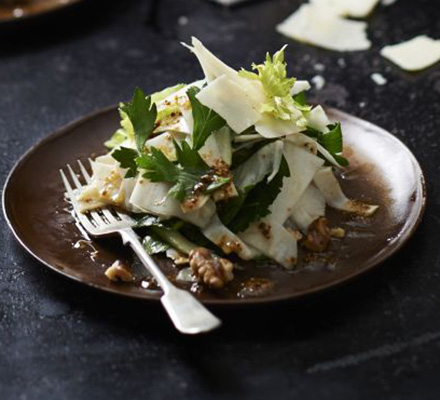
(187, 313)
(130, 237)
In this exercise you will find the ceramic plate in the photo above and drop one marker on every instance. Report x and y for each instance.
(14, 11)
(382, 171)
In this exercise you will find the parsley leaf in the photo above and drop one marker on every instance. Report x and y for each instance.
(300, 98)
(142, 114)
(186, 174)
(190, 159)
(206, 120)
(228, 210)
(154, 245)
(255, 204)
(342, 161)
(158, 167)
(127, 159)
(332, 141)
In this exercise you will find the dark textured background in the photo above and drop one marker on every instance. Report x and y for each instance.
(377, 338)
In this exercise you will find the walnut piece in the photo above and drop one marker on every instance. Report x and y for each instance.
(118, 272)
(210, 269)
(318, 235)
(337, 233)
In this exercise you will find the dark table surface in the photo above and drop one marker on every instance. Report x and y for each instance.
(376, 338)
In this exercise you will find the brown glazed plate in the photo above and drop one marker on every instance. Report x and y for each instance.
(17, 10)
(382, 171)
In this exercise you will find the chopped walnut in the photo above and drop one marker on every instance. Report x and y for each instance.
(338, 233)
(318, 235)
(209, 269)
(118, 272)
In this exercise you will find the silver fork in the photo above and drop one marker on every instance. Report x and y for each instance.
(186, 312)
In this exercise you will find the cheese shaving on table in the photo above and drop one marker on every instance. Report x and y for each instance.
(323, 27)
(415, 54)
(379, 79)
(318, 81)
(349, 8)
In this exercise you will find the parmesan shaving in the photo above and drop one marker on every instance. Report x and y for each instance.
(329, 186)
(274, 241)
(231, 102)
(318, 26)
(349, 8)
(310, 207)
(317, 119)
(415, 54)
(271, 128)
(217, 233)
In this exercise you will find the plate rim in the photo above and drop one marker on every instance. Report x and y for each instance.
(46, 11)
(155, 298)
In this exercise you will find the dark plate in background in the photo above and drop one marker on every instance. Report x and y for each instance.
(382, 171)
(12, 12)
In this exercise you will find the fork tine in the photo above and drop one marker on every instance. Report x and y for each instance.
(97, 218)
(108, 214)
(124, 217)
(74, 177)
(84, 172)
(81, 219)
(67, 186)
(86, 222)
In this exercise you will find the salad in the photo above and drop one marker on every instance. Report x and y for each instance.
(235, 166)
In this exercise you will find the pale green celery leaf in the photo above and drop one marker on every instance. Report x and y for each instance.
(302, 107)
(248, 74)
(277, 87)
(169, 112)
(224, 144)
(163, 94)
(126, 124)
(122, 134)
(116, 140)
(273, 75)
